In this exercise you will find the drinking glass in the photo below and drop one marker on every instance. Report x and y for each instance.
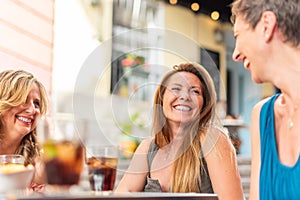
(11, 159)
(102, 164)
(63, 151)
(14, 175)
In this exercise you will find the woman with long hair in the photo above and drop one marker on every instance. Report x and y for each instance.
(190, 151)
(23, 100)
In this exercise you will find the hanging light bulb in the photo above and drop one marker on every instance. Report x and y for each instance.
(173, 2)
(195, 6)
(215, 15)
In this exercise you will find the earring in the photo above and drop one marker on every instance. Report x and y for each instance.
(266, 35)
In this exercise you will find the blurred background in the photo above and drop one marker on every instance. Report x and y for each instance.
(56, 40)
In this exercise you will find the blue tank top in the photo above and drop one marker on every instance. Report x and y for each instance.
(277, 181)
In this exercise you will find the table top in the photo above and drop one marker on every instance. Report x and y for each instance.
(233, 123)
(111, 196)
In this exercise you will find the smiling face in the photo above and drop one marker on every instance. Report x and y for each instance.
(183, 98)
(21, 120)
(250, 48)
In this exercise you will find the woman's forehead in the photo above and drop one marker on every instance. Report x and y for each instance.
(184, 78)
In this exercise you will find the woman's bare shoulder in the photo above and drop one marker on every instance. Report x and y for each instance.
(144, 145)
(216, 138)
(258, 105)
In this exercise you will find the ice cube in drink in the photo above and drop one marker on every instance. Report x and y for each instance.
(102, 173)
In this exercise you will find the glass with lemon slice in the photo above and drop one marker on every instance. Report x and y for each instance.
(63, 151)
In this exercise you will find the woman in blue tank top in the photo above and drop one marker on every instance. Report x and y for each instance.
(268, 43)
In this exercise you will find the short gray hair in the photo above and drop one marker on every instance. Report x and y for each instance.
(287, 13)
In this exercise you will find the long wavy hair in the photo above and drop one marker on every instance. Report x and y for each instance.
(15, 86)
(183, 179)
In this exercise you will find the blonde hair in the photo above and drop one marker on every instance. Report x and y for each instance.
(183, 180)
(15, 86)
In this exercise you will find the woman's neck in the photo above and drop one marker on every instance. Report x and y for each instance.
(176, 131)
(8, 146)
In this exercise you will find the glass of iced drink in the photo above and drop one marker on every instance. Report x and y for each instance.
(102, 164)
(63, 151)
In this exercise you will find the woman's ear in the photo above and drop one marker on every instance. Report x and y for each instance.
(269, 21)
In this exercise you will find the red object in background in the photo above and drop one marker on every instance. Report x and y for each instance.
(127, 62)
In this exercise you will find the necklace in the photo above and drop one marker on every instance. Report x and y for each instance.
(167, 156)
(290, 123)
(290, 120)
(168, 151)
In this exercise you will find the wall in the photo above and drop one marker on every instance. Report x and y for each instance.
(26, 37)
(75, 39)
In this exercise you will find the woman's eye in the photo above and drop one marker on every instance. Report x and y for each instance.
(37, 104)
(175, 89)
(196, 92)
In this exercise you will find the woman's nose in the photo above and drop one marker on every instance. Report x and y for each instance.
(184, 95)
(236, 55)
(29, 107)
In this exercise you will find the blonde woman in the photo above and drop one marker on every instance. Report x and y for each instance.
(189, 152)
(22, 102)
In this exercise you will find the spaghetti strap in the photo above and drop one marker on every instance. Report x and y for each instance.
(153, 148)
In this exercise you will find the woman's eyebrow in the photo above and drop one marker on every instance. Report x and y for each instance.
(176, 84)
(196, 86)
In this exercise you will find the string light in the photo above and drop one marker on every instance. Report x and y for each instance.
(195, 6)
(173, 2)
(215, 15)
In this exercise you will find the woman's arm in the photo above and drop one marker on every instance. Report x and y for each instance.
(39, 178)
(134, 178)
(223, 170)
(255, 152)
